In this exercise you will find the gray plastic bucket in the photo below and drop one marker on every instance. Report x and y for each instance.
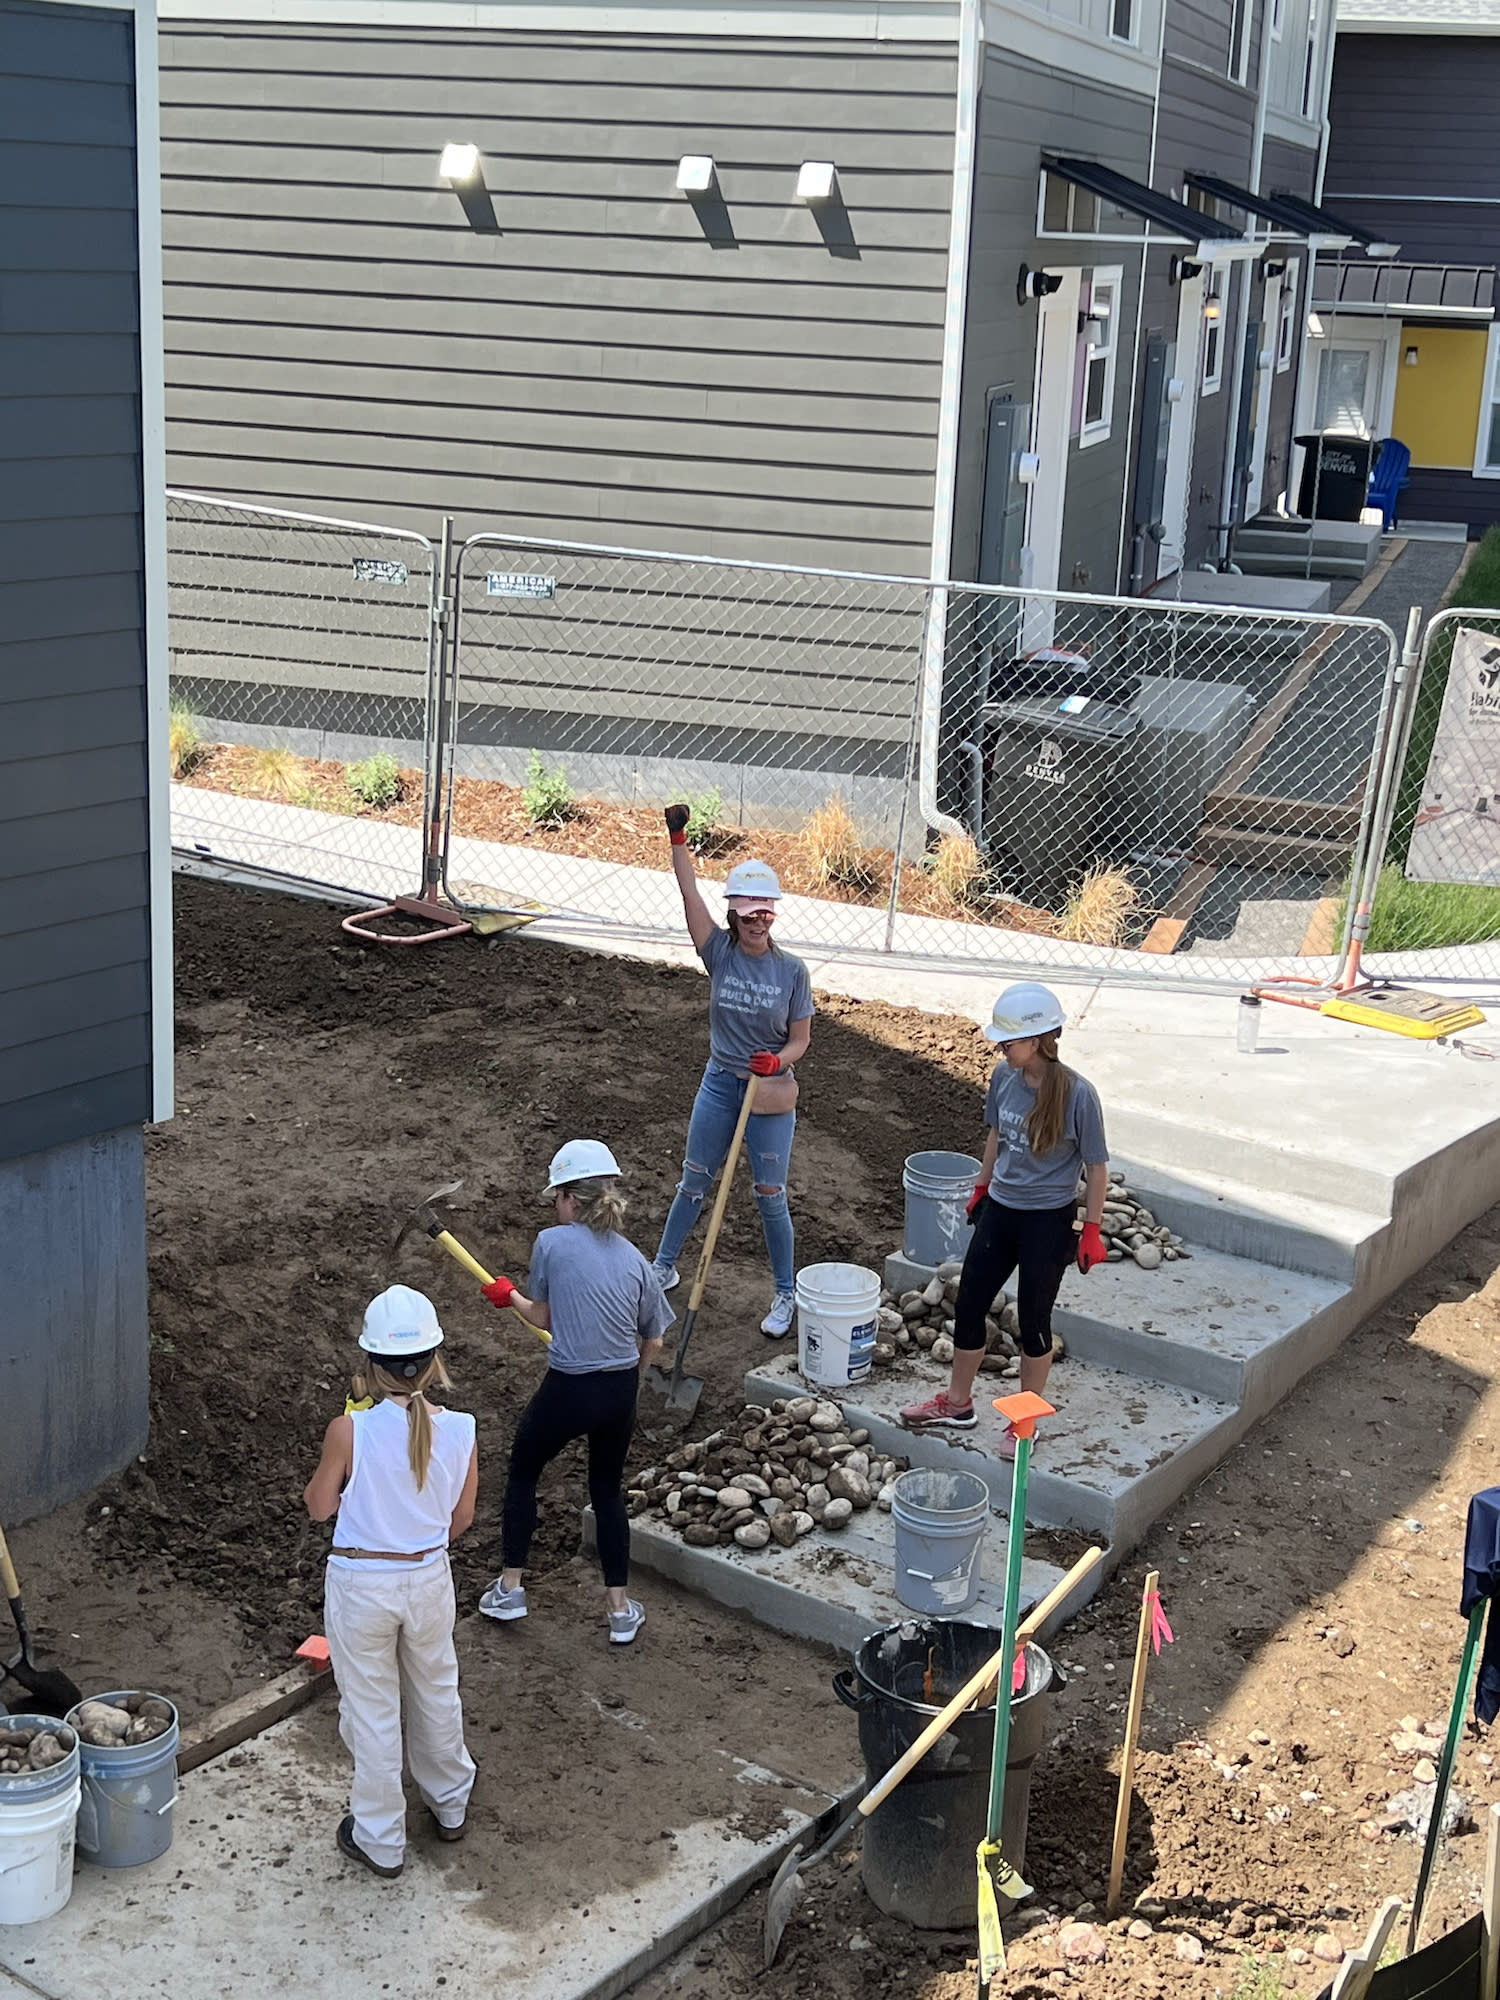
(125, 1815)
(939, 1187)
(37, 1814)
(940, 1520)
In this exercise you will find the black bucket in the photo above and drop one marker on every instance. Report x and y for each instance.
(919, 1845)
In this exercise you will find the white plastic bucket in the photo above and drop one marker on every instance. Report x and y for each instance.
(38, 1812)
(837, 1305)
(940, 1520)
(939, 1188)
(125, 1816)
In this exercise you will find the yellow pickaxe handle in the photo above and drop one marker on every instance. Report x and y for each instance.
(472, 1265)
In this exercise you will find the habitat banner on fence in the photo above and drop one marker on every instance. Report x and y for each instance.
(1456, 837)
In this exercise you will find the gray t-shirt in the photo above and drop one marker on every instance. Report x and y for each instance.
(752, 1002)
(1020, 1179)
(604, 1299)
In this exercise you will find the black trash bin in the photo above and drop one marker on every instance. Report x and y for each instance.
(1335, 476)
(919, 1846)
(1059, 778)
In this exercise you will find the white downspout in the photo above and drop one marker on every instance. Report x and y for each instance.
(945, 483)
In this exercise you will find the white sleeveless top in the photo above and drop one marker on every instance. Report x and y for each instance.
(381, 1507)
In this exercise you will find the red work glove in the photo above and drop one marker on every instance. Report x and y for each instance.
(981, 1189)
(765, 1064)
(499, 1292)
(677, 819)
(1092, 1248)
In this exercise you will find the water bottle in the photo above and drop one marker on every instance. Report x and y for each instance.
(1248, 1028)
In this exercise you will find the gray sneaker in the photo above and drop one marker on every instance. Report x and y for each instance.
(666, 1276)
(777, 1323)
(502, 1604)
(623, 1625)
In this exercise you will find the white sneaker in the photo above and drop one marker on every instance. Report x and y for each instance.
(777, 1323)
(502, 1604)
(666, 1276)
(623, 1625)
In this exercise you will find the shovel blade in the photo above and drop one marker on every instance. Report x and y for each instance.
(785, 1893)
(680, 1396)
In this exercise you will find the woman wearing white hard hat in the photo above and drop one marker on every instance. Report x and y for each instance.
(401, 1474)
(1045, 1128)
(760, 1009)
(596, 1294)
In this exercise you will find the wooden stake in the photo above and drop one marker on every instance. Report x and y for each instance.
(1491, 1960)
(1132, 1730)
(1360, 1966)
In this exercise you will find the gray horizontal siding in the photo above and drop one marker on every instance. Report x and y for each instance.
(340, 339)
(74, 902)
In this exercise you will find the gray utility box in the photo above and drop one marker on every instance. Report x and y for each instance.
(1065, 789)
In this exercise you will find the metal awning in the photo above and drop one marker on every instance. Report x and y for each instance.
(1438, 293)
(1287, 211)
(1175, 218)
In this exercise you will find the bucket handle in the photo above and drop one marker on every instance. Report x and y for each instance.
(947, 1576)
(169, 1805)
(850, 1695)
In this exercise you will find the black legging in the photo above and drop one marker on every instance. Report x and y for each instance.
(1038, 1241)
(600, 1407)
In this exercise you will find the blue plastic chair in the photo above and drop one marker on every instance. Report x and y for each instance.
(1388, 478)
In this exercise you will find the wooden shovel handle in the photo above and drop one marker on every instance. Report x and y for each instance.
(721, 1199)
(8, 1581)
(973, 1689)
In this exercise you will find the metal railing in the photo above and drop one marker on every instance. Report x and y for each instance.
(1122, 788)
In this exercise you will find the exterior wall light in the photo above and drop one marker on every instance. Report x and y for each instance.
(458, 164)
(1212, 309)
(1382, 249)
(697, 174)
(1036, 285)
(817, 180)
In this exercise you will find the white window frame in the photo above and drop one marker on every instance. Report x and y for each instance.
(1131, 11)
(1076, 195)
(1215, 286)
(1286, 326)
(1278, 19)
(1489, 398)
(1238, 70)
(1106, 356)
(1310, 60)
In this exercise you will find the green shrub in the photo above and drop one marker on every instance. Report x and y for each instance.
(705, 810)
(377, 781)
(184, 738)
(547, 795)
(1421, 916)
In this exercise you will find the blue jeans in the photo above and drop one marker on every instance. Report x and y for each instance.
(768, 1140)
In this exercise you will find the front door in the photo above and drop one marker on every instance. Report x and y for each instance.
(1263, 360)
(1052, 420)
(1351, 385)
(1182, 392)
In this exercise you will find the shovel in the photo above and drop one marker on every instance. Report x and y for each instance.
(787, 1886)
(682, 1391)
(54, 1693)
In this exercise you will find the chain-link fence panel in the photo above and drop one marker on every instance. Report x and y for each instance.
(595, 686)
(1434, 905)
(304, 664)
(1114, 786)
(1185, 789)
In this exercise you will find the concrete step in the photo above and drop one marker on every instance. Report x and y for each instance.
(1117, 1454)
(1263, 1224)
(836, 1587)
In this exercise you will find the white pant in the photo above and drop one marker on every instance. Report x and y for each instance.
(390, 1637)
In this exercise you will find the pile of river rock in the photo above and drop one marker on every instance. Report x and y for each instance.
(131, 1719)
(772, 1475)
(33, 1746)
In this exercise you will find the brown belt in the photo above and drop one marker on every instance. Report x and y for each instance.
(388, 1555)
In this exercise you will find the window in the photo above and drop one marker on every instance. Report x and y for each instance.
(1067, 210)
(1487, 453)
(1310, 63)
(1214, 276)
(1122, 20)
(1278, 18)
(1100, 334)
(1240, 16)
(1286, 326)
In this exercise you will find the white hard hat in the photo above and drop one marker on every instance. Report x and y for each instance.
(581, 1160)
(401, 1323)
(753, 878)
(1022, 1010)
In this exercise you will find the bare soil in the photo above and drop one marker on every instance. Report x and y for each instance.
(484, 809)
(324, 1089)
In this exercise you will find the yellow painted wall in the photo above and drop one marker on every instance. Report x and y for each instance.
(1437, 399)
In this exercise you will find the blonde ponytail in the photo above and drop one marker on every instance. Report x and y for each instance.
(600, 1203)
(373, 1382)
(1044, 1122)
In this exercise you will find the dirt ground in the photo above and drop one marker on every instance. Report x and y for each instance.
(1312, 1580)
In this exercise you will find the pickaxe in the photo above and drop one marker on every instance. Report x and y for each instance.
(426, 1218)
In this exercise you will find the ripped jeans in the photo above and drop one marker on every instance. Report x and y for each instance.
(768, 1140)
